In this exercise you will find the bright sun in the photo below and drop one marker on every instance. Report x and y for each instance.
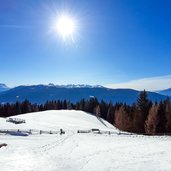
(65, 26)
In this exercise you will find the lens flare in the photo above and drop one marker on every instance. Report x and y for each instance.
(65, 26)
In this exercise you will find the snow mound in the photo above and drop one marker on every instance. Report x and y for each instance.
(57, 119)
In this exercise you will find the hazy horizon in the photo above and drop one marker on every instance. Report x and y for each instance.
(149, 84)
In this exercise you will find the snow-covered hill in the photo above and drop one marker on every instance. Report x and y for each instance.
(75, 152)
(57, 119)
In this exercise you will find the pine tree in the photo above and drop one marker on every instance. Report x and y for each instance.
(82, 105)
(143, 106)
(26, 107)
(111, 114)
(91, 105)
(143, 103)
(64, 104)
(168, 115)
(18, 108)
(103, 109)
(162, 118)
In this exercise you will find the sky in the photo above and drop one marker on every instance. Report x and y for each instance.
(117, 43)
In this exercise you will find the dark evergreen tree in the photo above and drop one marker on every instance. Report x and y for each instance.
(143, 103)
(18, 107)
(103, 109)
(143, 106)
(168, 116)
(162, 118)
(64, 104)
(111, 114)
(90, 105)
(82, 105)
(26, 107)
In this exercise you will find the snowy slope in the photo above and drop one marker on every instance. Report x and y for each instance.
(76, 152)
(54, 120)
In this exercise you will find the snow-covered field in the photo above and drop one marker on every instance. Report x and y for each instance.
(76, 152)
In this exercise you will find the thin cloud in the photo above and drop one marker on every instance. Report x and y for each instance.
(150, 84)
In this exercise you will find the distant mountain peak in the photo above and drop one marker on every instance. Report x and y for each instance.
(3, 87)
(166, 92)
(51, 84)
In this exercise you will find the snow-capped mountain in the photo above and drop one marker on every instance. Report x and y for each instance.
(69, 85)
(74, 93)
(3, 87)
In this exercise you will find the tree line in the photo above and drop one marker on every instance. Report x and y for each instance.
(142, 117)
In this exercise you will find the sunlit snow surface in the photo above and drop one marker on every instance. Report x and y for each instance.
(76, 152)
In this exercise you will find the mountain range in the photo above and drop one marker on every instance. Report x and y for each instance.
(166, 92)
(74, 93)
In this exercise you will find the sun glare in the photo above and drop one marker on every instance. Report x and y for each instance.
(65, 26)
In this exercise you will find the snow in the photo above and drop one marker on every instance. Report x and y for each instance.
(65, 86)
(75, 152)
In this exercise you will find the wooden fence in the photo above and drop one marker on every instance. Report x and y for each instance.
(97, 131)
(31, 131)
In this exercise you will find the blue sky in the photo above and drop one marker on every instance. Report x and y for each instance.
(116, 41)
